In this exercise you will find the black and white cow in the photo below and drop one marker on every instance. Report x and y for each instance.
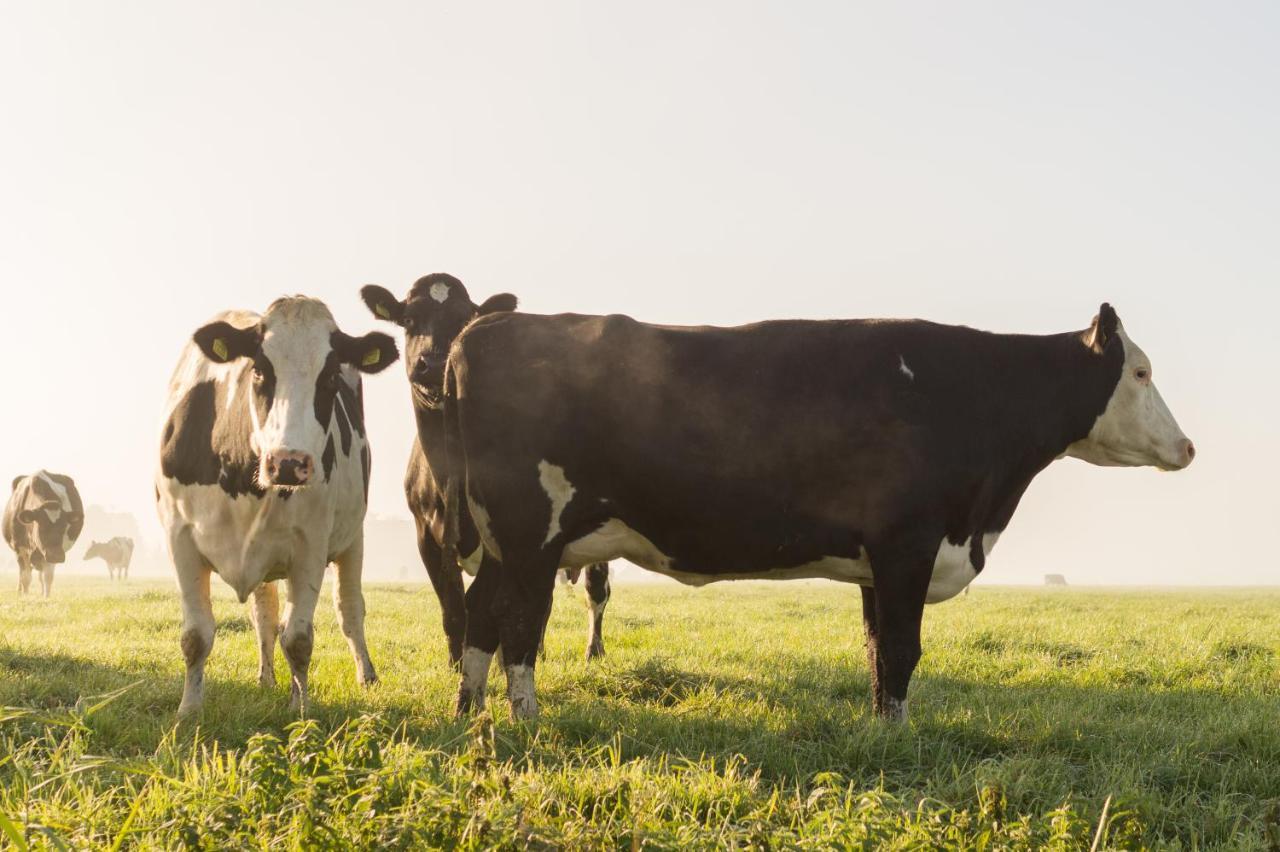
(436, 310)
(116, 552)
(890, 454)
(42, 520)
(264, 476)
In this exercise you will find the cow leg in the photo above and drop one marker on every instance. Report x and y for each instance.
(266, 620)
(24, 576)
(298, 637)
(197, 619)
(348, 602)
(598, 591)
(481, 636)
(873, 655)
(449, 591)
(46, 579)
(524, 601)
(901, 582)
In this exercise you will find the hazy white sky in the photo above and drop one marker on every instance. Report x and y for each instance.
(1003, 165)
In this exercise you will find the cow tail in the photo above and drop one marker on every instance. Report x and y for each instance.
(454, 471)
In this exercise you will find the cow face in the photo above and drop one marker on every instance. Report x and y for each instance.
(1136, 428)
(297, 355)
(96, 549)
(435, 312)
(47, 530)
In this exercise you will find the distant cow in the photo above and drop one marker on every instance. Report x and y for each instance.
(42, 520)
(1055, 580)
(264, 476)
(890, 454)
(116, 552)
(436, 310)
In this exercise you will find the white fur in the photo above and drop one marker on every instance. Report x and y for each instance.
(1136, 428)
(475, 674)
(520, 692)
(905, 370)
(440, 291)
(558, 491)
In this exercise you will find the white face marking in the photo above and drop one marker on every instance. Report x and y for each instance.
(296, 341)
(559, 492)
(1136, 428)
(520, 692)
(439, 291)
(904, 369)
(475, 674)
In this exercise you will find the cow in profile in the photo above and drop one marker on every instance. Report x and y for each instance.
(264, 476)
(116, 552)
(435, 311)
(889, 454)
(42, 520)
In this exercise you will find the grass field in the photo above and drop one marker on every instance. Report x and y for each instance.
(732, 715)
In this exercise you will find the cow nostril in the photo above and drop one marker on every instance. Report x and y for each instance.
(1191, 450)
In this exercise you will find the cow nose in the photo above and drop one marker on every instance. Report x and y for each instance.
(1187, 451)
(289, 468)
(429, 366)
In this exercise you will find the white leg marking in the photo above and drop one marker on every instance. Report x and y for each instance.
(520, 692)
(475, 677)
(559, 491)
(895, 710)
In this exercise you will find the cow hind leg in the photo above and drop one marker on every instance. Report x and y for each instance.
(24, 577)
(196, 639)
(598, 592)
(348, 603)
(873, 656)
(298, 637)
(481, 637)
(524, 599)
(266, 621)
(46, 580)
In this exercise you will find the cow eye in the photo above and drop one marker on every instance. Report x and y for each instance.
(1142, 374)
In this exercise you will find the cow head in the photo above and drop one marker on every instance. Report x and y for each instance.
(1136, 428)
(435, 312)
(298, 355)
(97, 549)
(48, 528)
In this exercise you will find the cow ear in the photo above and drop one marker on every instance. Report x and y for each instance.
(27, 516)
(222, 343)
(16, 481)
(383, 305)
(1104, 328)
(500, 302)
(372, 353)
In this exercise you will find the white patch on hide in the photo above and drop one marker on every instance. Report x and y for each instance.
(559, 492)
(439, 291)
(906, 371)
(475, 674)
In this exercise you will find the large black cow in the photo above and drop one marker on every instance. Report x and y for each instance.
(434, 313)
(890, 454)
(42, 520)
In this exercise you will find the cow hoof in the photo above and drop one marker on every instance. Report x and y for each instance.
(893, 710)
(595, 652)
(188, 711)
(368, 678)
(468, 702)
(266, 680)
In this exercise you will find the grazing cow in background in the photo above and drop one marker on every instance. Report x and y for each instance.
(42, 520)
(116, 552)
(436, 310)
(264, 476)
(890, 454)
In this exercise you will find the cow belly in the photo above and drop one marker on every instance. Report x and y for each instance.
(615, 540)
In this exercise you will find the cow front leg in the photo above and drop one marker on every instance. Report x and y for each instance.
(197, 634)
(901, 583)
(873, 643)
(449, 591)
(348, 603)
(598, 592)
(24, 576)
(46, 579)
(524, 602)
(298, 637)
(266, 621)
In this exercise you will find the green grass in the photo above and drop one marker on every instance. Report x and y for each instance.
(731, 715)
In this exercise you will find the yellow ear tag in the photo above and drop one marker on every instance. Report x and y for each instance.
(220, 348)
(382, 311)
(371, 357)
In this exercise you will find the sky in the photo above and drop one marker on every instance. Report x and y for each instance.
(1007, 166)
